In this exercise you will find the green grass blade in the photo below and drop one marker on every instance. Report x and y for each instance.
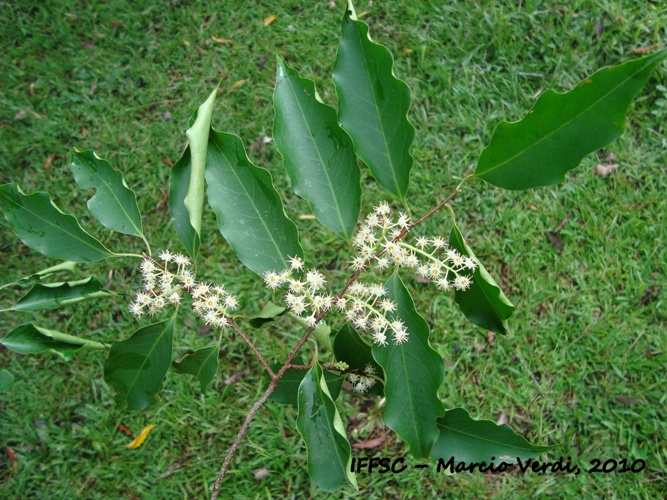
(54, 295)
(469, 440)
(320, 425)
(319, 156)
(484, 303)
(413, 373)
(114, 204)
(44, 227)
(136, 366)
(248, 208)
(563, 128)
(373, 106)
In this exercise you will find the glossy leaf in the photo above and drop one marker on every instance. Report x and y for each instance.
(6, 380)
(321, 427)
(30, 339)
(469, 440)
(66, 266)
(114, 204)
(54, 295)
(349, 347)
(248, 208)
(267, 315)
(563, 128)
(43, 227)
(136, 366)
(413, 373)
(202, 363)
(484, 303)
(373, 105)
(287, 390)
(319, 156)
(178, 188)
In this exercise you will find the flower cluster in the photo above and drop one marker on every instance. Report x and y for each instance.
(361, 383)
(363, 305)
(432, 258)
(162, 286)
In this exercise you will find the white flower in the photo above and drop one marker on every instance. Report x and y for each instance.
(315, 279)
(166, 256)
(462, 282)
(422, 242)
(272, 280)
(383, 209)
(147, 266)
(358, 263)
(181, 259)
(137, 309)
(296, 263)
(439, 242)
(231, 302)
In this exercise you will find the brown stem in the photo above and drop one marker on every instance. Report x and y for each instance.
(288, 362)
(254, 349)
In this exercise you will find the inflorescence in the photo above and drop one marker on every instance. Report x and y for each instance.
(365, 306)
(162, 286)
(432, 258)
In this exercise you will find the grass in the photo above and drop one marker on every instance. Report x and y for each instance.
(583, 368)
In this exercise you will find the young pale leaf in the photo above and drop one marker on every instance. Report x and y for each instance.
(178, 188)
(6, 380)
(30, 339)
(373, 105)
(66, 266)
(43, 227)
(136, 366)
(54, 295)
(318, 154)
(114, 204)
(563, 128)
(202, 363)
(267, 315)
(468, 440)
(413, 373)
(287, 390)
(248, 208)
(321, 427)
(484, 303)
(197, 136)
(349, 347)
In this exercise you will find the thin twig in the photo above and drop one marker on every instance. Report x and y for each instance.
(288, 362)
(254, 349)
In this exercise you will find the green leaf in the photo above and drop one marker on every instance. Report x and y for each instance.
(563, 128)
(43, 227)
(6, 380)
(54, 295)
(413, 373)
(67, 266)
(373, 105)
(469, 440)
(202, 363)
(198, 140)
(287, 390)
(349, 347)
(268, 315)
(484, 303)
(136, 366)
(321, 427)
(179, 180)
(114, 204)
(319, 156)
(30, 339)
(248, 208)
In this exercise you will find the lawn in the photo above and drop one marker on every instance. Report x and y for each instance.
(583, 367)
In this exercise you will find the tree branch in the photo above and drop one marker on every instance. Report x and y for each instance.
(288, 362)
